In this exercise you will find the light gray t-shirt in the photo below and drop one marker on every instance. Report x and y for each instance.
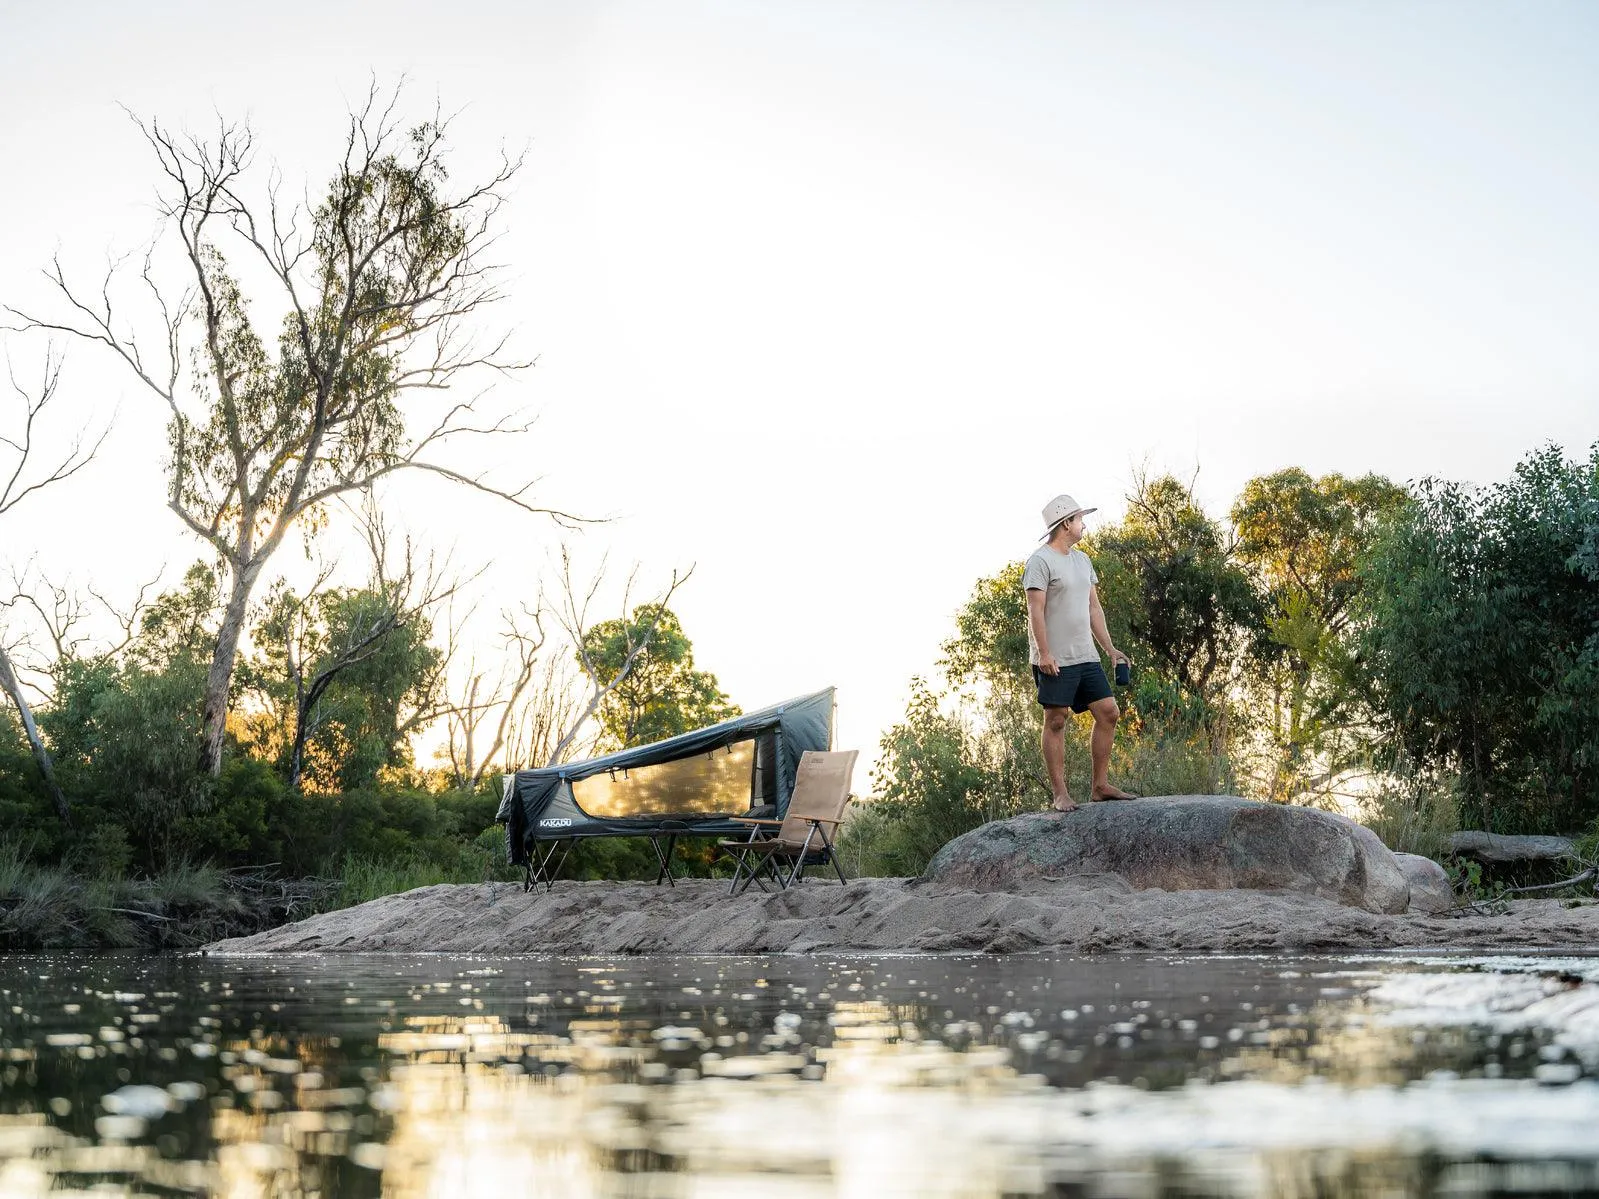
(1065, 579)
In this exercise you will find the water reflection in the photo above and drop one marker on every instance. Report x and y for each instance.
(701, 1078)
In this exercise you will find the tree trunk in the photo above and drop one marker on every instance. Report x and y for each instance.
(304, 706)
(297, 752)
(214, 713)
(8, 683)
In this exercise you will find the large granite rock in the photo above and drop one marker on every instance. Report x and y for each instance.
(1184, 843)
(1429, 883)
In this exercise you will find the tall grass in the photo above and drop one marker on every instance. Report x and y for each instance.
(1171, 764)
(46, 907)
(363, 878)
(1413, 815)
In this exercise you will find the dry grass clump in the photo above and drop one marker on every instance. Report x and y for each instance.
(1413, 815)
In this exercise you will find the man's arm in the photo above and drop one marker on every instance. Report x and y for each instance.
(1035, 621)
(1096, 623)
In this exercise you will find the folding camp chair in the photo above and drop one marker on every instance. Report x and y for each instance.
(804, 837)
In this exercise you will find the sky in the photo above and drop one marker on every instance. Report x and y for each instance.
(828, 299)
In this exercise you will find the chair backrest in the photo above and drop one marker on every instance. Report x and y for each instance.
(821, 789)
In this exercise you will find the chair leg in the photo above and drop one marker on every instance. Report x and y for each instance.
(768, 870)
(763, 869)
(799, 858)
(752, 874)
(739, 863)
(832, 856)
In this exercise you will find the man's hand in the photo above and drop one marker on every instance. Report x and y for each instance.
(1117, 656)
(1047, 663)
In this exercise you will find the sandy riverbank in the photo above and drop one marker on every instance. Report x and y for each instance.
(890, 915)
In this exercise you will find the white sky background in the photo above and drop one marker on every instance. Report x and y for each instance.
(829, 299)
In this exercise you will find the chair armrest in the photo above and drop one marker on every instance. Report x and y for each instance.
(755, 820)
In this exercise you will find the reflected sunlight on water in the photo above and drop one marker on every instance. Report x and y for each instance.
(990, 1078)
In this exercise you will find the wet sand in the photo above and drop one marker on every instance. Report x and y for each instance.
(1086, 915)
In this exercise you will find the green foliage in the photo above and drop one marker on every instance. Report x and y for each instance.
(1301, 540)
(125, 739)
(615, 857)
(363, 672)
(1304, 536)
(387, 240)
(1481, 641)
(991, 644)
(1174, 597)
(44, 907)
(180, 626)
(943, 772)
(1167, 761)
(390, 824)
(25, 808)
(1474, 890)
(663, 694)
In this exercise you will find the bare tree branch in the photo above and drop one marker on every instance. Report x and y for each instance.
(17, 483)
(572, 615)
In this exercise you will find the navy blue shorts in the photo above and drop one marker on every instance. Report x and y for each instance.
(1075, 687)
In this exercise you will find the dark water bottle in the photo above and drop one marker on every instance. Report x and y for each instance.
(1124, 674)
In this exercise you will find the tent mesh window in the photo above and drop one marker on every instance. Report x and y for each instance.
(716, 783)
(763, 786)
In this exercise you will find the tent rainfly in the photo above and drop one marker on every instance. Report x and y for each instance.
(692, 783)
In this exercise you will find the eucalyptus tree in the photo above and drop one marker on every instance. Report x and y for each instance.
(22, 475)
(1302, 539)
(658, 692)
(347, 674)
(379, 283)
(1173, 589)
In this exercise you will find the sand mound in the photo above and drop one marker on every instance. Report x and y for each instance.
(1084, 914)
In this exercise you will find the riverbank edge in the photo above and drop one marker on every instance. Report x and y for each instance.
(52, 910)
(1085, 915)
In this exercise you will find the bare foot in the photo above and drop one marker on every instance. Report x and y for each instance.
(1063, 803)
(1108, 792)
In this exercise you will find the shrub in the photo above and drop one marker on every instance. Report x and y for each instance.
(1481, 614)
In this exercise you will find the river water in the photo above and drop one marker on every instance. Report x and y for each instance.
(858, 1076)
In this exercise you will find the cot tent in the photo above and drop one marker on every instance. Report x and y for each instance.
(688, 785)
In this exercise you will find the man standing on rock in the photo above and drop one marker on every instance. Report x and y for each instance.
(1064, 620)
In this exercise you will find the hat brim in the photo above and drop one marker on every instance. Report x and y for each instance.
(1069, 516)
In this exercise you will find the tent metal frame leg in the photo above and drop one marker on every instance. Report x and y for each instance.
(545, 861)
(664, 858)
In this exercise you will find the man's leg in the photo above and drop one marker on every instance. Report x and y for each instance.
(1054, 746)
(1106, 714)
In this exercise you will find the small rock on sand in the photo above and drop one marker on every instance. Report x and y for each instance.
(1429, 883)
